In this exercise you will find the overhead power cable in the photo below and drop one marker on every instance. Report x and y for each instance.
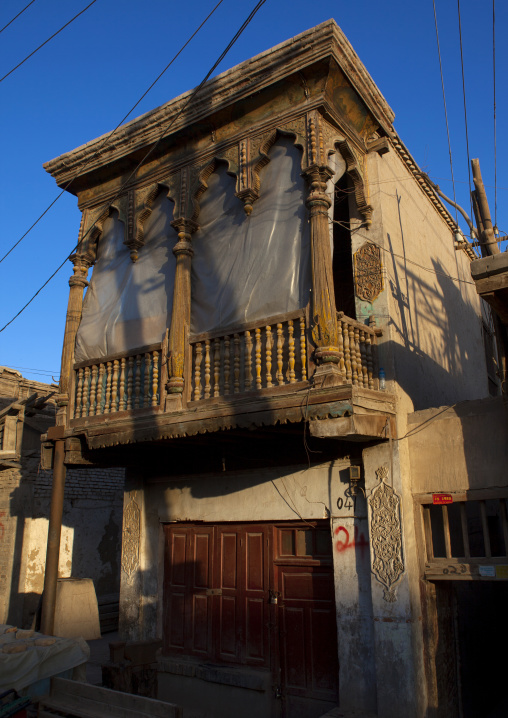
(150, 151)
(16, 16)
(110, 135)
(46, 41)
(465, 108)
(445, 110)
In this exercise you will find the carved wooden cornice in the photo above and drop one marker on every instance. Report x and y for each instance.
(242, 81)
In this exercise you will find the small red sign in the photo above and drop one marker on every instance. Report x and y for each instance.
(442, 499)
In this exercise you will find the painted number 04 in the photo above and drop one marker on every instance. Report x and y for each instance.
(348, 503)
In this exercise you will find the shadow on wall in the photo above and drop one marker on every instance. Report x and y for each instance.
(91, 535)
(439, 356)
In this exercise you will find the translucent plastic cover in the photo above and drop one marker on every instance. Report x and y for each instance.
(246, 268)
(128, 305)
(243, 269)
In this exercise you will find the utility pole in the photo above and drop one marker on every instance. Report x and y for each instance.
(481, 209)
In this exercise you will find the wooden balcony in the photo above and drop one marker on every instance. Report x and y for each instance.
(258, 374)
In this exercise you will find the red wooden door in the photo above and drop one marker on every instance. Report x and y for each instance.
(257, 595)
(215, 603)
(307, 623)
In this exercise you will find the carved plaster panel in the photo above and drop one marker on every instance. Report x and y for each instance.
(386, 535)
(131, 536)
(368, 272)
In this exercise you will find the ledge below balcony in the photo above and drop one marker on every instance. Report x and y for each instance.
(344, 411)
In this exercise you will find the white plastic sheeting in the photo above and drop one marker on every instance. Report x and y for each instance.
(128, 305)
(246, 268)
(243, 269)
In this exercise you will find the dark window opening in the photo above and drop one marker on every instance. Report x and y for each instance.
(343, 282)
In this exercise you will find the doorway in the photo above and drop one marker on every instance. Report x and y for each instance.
(258, 595)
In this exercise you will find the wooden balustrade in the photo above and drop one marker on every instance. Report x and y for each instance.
(119, 383)
(257, 356)
(358, 352)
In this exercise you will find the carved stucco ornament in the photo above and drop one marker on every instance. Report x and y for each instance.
(368, 272)
(386, 535)
(131, 536)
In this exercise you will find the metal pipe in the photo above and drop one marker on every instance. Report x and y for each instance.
(54, 534)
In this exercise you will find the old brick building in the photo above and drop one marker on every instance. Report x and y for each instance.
(92, 512)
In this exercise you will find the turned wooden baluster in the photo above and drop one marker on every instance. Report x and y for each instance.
(137, 382)
(248, 361)
(269, 344)
(359, 371)
(107, 399)
(352, 350)
(363, 350)
(79, 394)
(100, 390)
(93, 390)
(146, 383)
(258, 358)
(303, 349)
(280, 345)
(86, 392)
(130, 382)
(114, 385)
(216, 367)
(121, 393)
(370, 363)
(207, 369)
(237, 364)
(347, 352)
(197, 371)
(226, 366)
(291, 363)
(155, 377)
(340, 337)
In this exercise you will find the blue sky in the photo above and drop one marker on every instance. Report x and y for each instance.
(84, 81)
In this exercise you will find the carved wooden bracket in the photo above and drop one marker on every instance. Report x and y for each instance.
(354, 167)
(92, 223)
(140, 202)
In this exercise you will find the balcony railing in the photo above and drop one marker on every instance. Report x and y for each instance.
(267, 354)
(358, 352)
(259, 355)
(122, 383)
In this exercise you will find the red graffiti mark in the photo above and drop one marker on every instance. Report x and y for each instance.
(344, 543)
(2, 528)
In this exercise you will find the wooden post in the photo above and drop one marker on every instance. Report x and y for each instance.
(180, 315)
(54, 533)
(324, 314)
(77, 284)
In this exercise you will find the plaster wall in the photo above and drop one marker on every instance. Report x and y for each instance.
(375, 638)
(456, 449)
(432, 346)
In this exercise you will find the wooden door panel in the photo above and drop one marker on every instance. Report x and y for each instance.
(255, 629)
(294, 648)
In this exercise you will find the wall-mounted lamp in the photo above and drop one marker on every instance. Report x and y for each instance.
(354, 480)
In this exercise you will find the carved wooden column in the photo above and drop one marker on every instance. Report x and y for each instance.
(324, 315)
(180, 316)
(77, 284)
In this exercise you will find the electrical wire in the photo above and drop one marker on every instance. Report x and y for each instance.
(110, 135)
(465, 108)
(16, 16)
(150, 151)
(46, 41)
(445, 110)
(401, 256)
